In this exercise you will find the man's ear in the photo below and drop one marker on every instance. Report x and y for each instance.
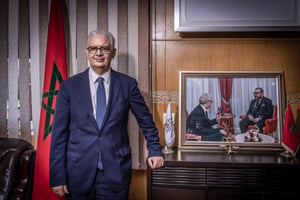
(114, 52)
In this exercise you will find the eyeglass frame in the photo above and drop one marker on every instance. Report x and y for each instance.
(101, 48)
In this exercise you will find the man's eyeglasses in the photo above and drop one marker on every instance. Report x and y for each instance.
(256, 92)
(103, 49)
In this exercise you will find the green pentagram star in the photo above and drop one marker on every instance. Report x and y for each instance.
(292, 128)
(49, 96)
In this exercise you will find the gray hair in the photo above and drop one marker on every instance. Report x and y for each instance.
(204, 98)
(100, 32)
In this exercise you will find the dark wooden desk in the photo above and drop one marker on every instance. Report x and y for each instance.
(208, 175)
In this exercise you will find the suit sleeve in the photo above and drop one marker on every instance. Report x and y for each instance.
(268, 111)
(145, 120)
(59, 139)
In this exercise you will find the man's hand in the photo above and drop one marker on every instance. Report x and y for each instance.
(156, 162)
(256, 120)
(223, 132)
(60, 190)
(250, 117)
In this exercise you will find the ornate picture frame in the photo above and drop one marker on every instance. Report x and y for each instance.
(231, 92)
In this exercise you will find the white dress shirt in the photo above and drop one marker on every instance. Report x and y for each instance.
(94, 85)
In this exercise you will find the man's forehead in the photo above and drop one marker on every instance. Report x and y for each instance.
(99, 38)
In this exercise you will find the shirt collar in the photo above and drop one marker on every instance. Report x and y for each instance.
(94, 76)
(203, 107)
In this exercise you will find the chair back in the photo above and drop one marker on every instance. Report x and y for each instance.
(274, 111)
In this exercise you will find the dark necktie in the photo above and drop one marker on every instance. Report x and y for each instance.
(206, 114)
(101, 102)
(255, 104)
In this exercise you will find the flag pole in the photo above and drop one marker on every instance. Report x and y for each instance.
(287, 154)
(169, 130)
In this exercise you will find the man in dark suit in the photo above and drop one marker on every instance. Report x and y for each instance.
(260, 109)
(198, 122)
(90, 154)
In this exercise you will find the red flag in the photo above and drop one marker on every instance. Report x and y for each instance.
(290, 140)
(55, 73)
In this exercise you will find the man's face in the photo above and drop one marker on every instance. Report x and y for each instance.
(257, 94)
(208, 104)
(100, 59)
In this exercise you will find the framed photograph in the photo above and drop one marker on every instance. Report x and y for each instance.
(244, 109)
(236, 16)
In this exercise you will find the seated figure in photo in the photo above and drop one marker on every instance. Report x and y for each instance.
(198, 122)
(260, 109)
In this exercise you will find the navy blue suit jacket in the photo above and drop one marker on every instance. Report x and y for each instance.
(199, 124)
(77, 141)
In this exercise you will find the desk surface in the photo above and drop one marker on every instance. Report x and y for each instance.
(221, 159)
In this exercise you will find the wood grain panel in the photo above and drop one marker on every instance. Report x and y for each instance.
(102, 15)
(72, 51)
(159, 20)
(159, 65)
(43, 33)
(143, 63)
(82, 33)
(92, 15)
(138, 185)
(24, 71)
(35, 66)
(13, 65)
(3, 66)
(170, 34)
(123, 36)
(173, 52)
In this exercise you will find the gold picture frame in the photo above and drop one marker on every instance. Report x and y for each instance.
(194, 83)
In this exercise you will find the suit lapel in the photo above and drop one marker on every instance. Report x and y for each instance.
(86, 97)
(113, 95)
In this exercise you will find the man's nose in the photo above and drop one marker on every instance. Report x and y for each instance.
(98, 52)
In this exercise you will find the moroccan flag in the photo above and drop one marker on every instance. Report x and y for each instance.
(55, 73)
(290, 140)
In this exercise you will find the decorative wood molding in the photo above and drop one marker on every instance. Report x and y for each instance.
(163, 96)
(293, 97)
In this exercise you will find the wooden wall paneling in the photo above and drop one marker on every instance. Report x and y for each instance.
(173, 67)
(103, 15)
(81, 34)
(66, 23)
(3, 67)
(44, 11)
(170, 34)
(92, 15)
(292, 67)
(143, 62)
(133, 51)
(159, 66)
(44, 8)
(159, 14)
(13, 65)
(113, 28)
(24, 71)
(123, 36)
(138, 187)
(133, 71)
(35, 69)
(158, 71)
(73, 51)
